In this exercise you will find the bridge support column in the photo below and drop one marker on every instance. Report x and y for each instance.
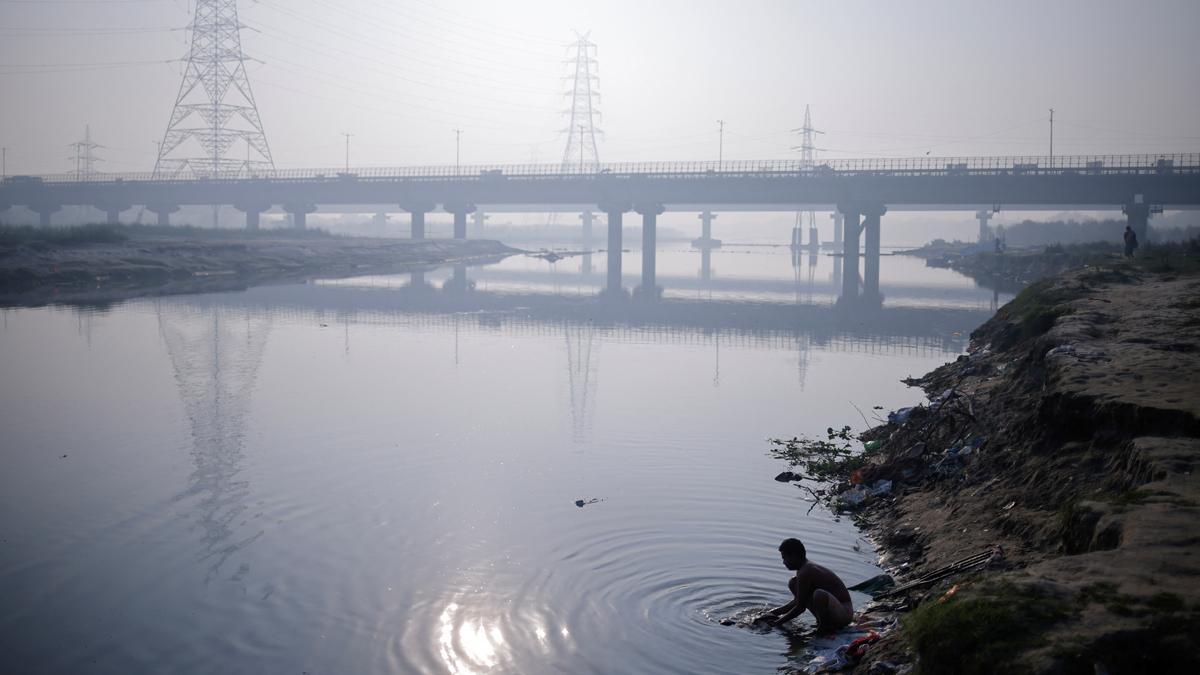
(253, 214)
(44, 212)
(1137, 216)
(871, 216)
(985, 232)
(705, 265)
(460, 212)
(706, 240)
(299, 214)
(650, 213)
(479, 221)
(418, 211)
(837, 229)
(458, 282)
(163, 211)
(615, 213)
(112, 215)
(851, 230)
(586, 218)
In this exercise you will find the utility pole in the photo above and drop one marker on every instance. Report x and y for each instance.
(457, 147)
(1052, 138)
(348, 137)
(4, 163)
(721, 143)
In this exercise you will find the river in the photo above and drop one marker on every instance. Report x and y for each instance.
(381, 474)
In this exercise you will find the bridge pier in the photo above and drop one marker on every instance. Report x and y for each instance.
(44, 212)
(1137, 216)
(163, 211)
(253, 214)
(706, 240)
(458, 282)
(851, 230)
(615, 213)
(871, 215)
(837, 229)
(706, 265)
(650, 213)
(586, 217)
(985, 232)
(112, 212)
(299, 214)
(418, 211)
(479, 220)
(460, 212)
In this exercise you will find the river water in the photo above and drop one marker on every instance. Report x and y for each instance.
(381, 474)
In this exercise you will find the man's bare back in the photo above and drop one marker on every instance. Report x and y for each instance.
(814, 588)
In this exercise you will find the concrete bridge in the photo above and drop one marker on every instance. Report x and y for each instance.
(863, 190)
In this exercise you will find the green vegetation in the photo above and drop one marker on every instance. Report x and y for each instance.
(13, 235)
(981, 630)
(833, 458)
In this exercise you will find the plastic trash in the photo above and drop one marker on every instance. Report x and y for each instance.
(871, 446)
(900, 416)
(874, 584)
(788, 476)
(881, 487)
(854, 496)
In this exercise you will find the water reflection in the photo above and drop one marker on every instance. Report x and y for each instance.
(215, 354)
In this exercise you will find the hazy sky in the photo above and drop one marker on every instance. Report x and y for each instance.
(884, 78)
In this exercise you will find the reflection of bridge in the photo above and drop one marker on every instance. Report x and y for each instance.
(675, 321)
(583, 279)
(862, 190)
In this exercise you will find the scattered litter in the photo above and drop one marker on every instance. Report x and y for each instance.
(584, 502)
(853, 497)
(900, 416)
(874, 584)
(1008, 506)
(881, 487)
(788, 476)
(871, 446)
(858, 647)
(915, 451)
(948, 594)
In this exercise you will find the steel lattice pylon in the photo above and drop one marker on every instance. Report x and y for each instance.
(581, 153)
(215, 106)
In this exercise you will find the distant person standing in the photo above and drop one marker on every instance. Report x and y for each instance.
(1131, 242)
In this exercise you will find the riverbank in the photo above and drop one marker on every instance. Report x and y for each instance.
(101, 264)
(1061, 452)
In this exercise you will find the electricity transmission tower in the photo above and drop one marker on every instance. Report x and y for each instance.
(85, 155)
(215, 107)
(581, 153)
(807, 161)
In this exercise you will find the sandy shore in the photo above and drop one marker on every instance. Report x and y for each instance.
(40, 273)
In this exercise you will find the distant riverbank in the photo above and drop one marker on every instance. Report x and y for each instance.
(100, 264)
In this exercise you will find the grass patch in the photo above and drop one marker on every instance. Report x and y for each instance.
(16, 235)
(982, 631)
(1173, 257)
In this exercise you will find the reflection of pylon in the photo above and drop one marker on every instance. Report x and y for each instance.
(581, 154)
(583, 351)
(215, 353)
(216, 91)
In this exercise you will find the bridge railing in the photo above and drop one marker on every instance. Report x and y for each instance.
(1045, 165)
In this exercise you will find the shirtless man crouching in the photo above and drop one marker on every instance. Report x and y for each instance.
(814, 588)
